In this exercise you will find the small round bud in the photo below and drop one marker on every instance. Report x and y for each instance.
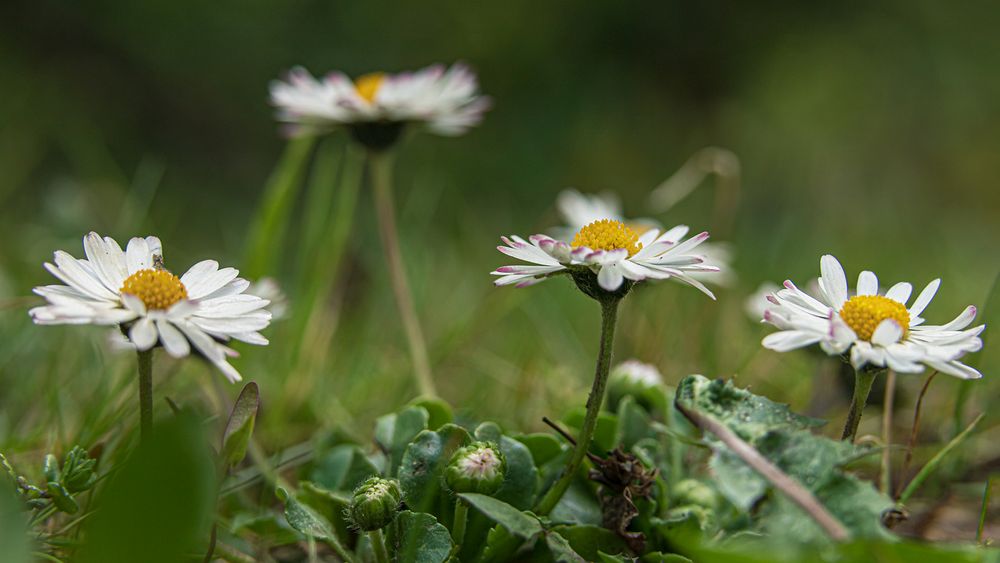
(692, 491)
(633, 378)
(375, 504)
(476, 468)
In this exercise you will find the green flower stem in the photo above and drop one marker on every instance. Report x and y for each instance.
(380, 168)
(378, 546)
(863, 380)
(146, 393)
(609, 314)
(458, 527)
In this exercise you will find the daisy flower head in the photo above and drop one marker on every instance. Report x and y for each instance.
(606, 257)
(873, 329)
(579, 210)
(130, 288)
(376, 107)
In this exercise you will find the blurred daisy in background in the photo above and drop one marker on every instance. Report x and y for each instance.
(613, 251)
(876, 330)
(578, 210)
(199, 310)
(376, 106)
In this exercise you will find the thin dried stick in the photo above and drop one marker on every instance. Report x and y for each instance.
(913, 434)
(781, 481)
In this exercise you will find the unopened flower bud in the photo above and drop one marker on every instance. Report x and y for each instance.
(633, 378)
(692, 491)
(476, 468)
(78, 470)
(375, 504)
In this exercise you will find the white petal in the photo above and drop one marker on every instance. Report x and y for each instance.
(924, 298)
(173, 341)
(107, 259)
(143, 334)
(610, 277)
(867, 283)
(900, 292)
(888, 332)
(137, 255)
(834, 281)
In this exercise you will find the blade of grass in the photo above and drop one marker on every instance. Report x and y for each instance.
(986, 506)
(935, 461)
(269, 225)
(962, 397)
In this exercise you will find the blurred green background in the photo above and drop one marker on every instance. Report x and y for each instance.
(870, 131)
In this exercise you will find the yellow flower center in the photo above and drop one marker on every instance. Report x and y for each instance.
(367, 85)
(608, 234)
(863, 313)
(158, 289)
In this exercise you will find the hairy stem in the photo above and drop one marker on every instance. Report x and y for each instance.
(458, 526)
(146, 393)
(378, 546)
(863, 380)
(380, 168)
(609, 315)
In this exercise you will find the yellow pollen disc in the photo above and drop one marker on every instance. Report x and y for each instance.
(608, 234)
(863, 313)
(158, 289)
(367, 85)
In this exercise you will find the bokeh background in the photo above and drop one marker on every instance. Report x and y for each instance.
(867, 130)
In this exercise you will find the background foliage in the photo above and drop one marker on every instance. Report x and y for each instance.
(869, 131)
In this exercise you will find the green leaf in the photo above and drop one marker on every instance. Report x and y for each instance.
(14, 531)
(588, 541)
(521, 479)
(657, 557)
(543, 447)
(633, 423)
(519, 523)
(423, 462)
(395, 431)
(561, 550)
(239, 429)
(416, 537)
(604, 433)
(578, 506)
(342, 468)
(743, 412)
(160, 503)
(62, 498)
(304, 518)
(439, 412)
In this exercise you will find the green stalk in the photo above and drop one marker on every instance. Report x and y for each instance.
(609, 314)
(380, 168)
(984, 510)
(146, 393)
(863, 380)
(268, 226)
(458, 526)
(378, 546)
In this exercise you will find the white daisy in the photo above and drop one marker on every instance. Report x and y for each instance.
(203, 308)
(446, 101)
(878, 330)
(579, 210)
(610, 249)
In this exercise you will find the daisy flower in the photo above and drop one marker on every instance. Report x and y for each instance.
(579, 210)
(876, 330)
(376, 106)
(610, 249)
(199, 310)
